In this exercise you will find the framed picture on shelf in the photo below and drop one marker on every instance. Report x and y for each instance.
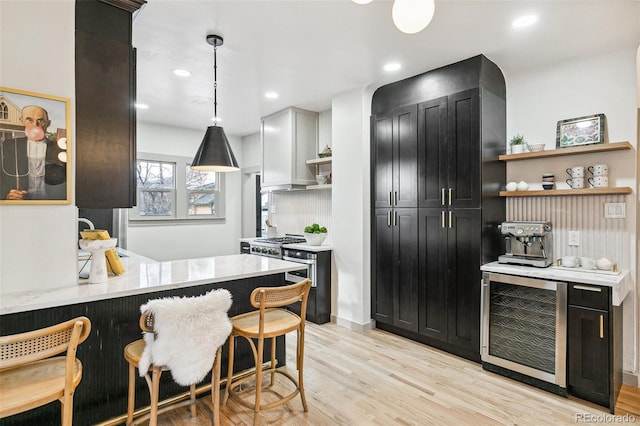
(578, 131)
(35, 148)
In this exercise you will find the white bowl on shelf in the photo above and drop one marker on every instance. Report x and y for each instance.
(535, 147)
(315, 239)
(322, 179)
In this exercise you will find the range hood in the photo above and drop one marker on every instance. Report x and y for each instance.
(288, 139)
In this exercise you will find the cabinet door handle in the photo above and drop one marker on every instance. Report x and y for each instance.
(389, 218)
(395, 198)
(395, 218)
(450, 195)
(450, 219)
(582, 287)
(602, 326)
(444, 219)
(443, 195)
(389, 199)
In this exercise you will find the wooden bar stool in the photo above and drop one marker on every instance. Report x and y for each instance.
(184, 336)
(30, 373)
(269, 322)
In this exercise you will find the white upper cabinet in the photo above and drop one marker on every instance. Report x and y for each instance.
(288, 138)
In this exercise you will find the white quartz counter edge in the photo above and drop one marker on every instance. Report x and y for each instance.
(143, 275)
(307, 247)
(620, 284)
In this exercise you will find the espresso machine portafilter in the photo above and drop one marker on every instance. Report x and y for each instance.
(527, 243)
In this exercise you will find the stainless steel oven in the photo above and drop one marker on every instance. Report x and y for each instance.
(308, 258)
(524, 329)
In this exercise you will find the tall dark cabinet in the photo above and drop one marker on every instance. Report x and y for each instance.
(435, 178)
(105, 97)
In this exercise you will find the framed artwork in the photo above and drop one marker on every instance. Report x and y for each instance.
(580, 131)
(35, 148)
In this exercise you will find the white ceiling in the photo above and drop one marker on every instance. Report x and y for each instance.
(310, 50)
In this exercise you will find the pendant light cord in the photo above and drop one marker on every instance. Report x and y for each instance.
(215, 85)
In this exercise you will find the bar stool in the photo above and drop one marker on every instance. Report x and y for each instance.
(30, 374)
(184, 336)
(269, 321)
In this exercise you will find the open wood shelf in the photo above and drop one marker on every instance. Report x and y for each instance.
(318, 161)
(586, 149)
(562, 192)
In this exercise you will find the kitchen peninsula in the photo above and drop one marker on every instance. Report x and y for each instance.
(113, 309)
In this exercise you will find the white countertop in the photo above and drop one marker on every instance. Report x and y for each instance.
(620, 284)
(143, 275)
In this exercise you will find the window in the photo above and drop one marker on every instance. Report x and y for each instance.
(169, 190)
(4, 111)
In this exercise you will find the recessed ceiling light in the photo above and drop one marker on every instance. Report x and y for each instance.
(392, 66)
(362, 1)
(142, 106)
(182, 73)
(524, 21)
(271, 95)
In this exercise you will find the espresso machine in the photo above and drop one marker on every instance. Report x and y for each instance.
(527, 243)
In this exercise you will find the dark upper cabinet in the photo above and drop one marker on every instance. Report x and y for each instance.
(395, 153)
(433, 155)
(105, 106)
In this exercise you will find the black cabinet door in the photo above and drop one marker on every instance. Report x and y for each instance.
(432, 153)
(405, 157)
(394, 158)
(464, 154)
(463, 283)
(383, 267)
(382, 160)
(432, 297)
(105, 113)
(588, 354)
(405, 297)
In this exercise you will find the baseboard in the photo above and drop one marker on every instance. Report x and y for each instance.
(351, 325)
(630, 379)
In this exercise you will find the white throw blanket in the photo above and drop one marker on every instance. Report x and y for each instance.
(188, 332)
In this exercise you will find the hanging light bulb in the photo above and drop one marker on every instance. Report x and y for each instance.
(412, 16)
(214, 153)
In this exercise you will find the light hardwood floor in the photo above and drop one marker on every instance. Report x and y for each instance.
(377, 378)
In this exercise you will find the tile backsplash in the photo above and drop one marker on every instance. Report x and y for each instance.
(296, 209)
(599, 237)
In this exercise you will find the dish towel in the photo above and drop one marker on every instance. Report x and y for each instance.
(188, 332)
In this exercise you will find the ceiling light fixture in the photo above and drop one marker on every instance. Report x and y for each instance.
(142, 106)
(524, 21)
(412, 16)
(214, 153)
(271, 95)
(182, 73)
(362, 1)
(392, 66)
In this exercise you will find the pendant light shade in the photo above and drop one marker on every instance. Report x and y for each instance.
(412, 16)
(215, 154)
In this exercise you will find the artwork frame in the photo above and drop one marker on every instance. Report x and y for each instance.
(35, 148)
(586, 130)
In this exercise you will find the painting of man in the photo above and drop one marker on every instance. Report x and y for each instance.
(34, 161)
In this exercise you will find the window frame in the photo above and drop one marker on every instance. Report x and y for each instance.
(180, 201)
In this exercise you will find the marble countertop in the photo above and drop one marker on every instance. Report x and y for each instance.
(620, 284)
(143, 275)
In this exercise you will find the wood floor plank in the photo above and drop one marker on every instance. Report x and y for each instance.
(377, 378)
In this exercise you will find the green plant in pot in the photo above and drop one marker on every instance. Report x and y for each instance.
(315, 234)
(517, 144)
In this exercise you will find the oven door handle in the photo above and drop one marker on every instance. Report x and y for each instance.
(293, 259)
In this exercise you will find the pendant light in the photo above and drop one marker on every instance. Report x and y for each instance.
(215, 154)
(412, 16)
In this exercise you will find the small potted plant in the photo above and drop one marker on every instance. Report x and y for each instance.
(315, 234)
(517, 144)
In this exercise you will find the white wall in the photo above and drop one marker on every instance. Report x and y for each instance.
(182, 241)
(38, 243)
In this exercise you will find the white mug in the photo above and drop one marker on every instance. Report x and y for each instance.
(599, 169)
(576, 183)
(587, 263)
(599, 181)
(568, 261)
(576, 172)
